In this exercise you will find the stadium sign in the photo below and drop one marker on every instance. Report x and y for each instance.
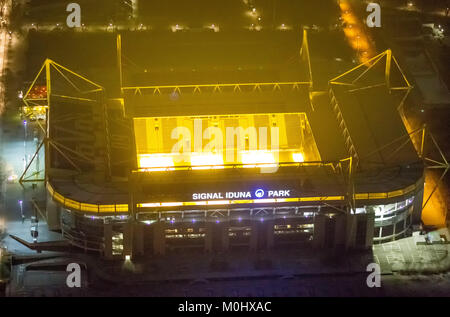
(259, 193)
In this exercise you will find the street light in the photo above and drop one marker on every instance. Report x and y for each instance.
(21, 210)
(25, 138)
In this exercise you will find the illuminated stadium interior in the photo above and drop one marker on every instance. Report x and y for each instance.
(232, 139)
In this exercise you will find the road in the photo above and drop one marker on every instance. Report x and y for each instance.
(18, 140)
(4, 42)
(410, 6)
(15, 153)
(33, 282)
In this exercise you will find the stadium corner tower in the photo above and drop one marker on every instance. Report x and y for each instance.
(233, 145)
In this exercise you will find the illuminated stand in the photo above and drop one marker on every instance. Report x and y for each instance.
(224, 219)
(65, 148)
(398, 87)
(221, 220)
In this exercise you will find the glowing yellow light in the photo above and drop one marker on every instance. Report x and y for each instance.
(218, 202)
(171, 204)
(263, 201)
(298, 157)
(349, 19)
(206, 160)
(257, 157)
(147, 205)
(155, 160)
(354, 32)
(247, 201)
(158, 169)
(2, 226)
(344, 6)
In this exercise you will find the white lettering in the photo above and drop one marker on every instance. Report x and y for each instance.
(74, 18)
(374, 278)
(279, 193)
(245, 306)
(74, 278)
(189, 307)
(374, 18)
(239, 195)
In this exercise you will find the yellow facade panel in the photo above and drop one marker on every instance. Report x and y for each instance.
(72, 203)
(378, 195)
(107, 208)
(89, 207)
(58, 197)
(395, 193)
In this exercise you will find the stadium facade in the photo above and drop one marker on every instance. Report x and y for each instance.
(235, 164)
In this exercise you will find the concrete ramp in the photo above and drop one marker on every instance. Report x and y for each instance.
(43, 246)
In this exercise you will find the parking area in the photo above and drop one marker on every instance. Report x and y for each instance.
(413, 254)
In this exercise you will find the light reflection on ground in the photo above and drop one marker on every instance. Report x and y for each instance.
(355, 33)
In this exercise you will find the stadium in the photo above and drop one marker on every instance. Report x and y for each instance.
(248, 154)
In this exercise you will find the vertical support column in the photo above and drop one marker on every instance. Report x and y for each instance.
(394, 225)
(159, 238)
(417, 209)
(388, 68)
(107, 238)
(138, 245)
(262, 233)
(319, 231)
(106, 137)
(101, 140)
(370, 227)
(119, 59)
(351, 228)
(254, 235)
(128, 239)
(53, 213)
(128, 227)
(208, 236)
(341, 231)
(224, 235)
(47, 136)
(216, 236)
(269, 233)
